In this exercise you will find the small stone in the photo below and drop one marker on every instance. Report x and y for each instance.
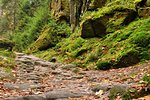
(32, 97)
(99, 93)
(23, 86)
(77, 77)
(68, 66)
(56, 72)
(62, 94)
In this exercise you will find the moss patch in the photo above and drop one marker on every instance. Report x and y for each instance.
(119, 91)
(6, 58)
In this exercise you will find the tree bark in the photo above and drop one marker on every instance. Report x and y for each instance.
(72, 15)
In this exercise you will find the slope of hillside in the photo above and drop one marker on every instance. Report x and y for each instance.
(114, 35)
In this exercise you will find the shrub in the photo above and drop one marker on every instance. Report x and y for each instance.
(146, 78)
(103, 65)
(29, 27)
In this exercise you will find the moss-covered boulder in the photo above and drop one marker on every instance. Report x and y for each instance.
(50, 36)
(6, 44)
(106, 20)
(127, 46)
(7, 58)
(45, 41)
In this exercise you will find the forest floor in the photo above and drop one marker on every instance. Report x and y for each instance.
(36, 79)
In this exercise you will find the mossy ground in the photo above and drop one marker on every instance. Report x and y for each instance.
(7, 58)
(124, 46)
(111, 51)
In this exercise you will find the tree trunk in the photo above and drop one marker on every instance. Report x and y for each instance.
(72, 15)
(77, 8)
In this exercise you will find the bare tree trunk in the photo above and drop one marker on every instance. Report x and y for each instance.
(72, 15)
(77, 7)
(14, 15)
(1, 10)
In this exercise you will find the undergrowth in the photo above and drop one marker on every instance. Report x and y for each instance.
(7, 58)
(30, 23)
(120, 49)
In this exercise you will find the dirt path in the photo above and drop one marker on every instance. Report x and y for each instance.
(36, 79)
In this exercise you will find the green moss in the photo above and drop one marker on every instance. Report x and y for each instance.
(119, 49)
(146, 78)
(125, 46)
(119, 91)
(45, 41)
(103, 65)
(106, 20)
(128, 43)
(31, 18)
(7, 58)
(52, 33)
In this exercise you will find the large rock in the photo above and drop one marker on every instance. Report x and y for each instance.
(47, 39)
(92, 28)
(128, 59)
(62, 95)
(106, 20)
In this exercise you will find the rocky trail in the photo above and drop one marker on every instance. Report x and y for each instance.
(36, 79)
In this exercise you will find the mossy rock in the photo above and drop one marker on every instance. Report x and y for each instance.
(50, 35)
(126, 47)
(7, 58)
(119, 91)
(6, 44)
(103, 65)
(128, 59)
(106, 20)
(47, 39)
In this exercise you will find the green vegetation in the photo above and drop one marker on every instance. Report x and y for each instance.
(52, 33)
(93, 34)
(32, 17)
(111, 35)
(119, 91)
(7, 44)
(146, 78)
(7, 58)
(119, 49)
